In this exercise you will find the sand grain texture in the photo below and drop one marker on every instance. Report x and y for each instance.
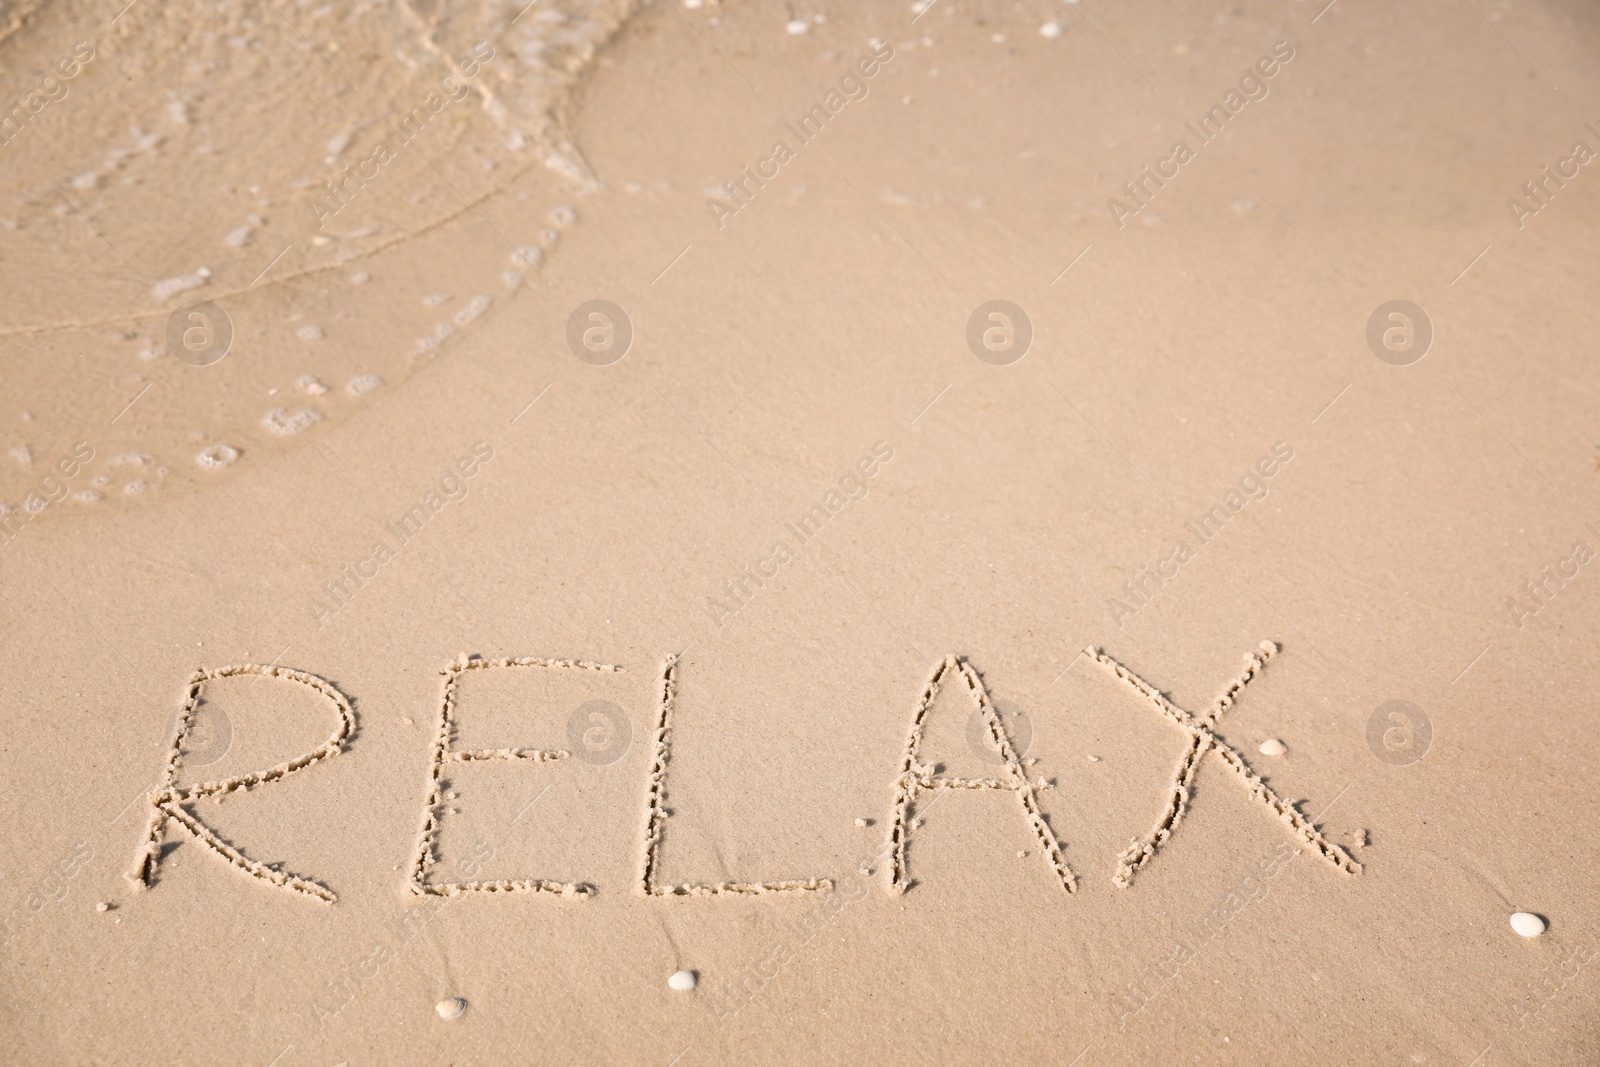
(774, 484)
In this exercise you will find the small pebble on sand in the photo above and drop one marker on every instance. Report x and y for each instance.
(1527, 924)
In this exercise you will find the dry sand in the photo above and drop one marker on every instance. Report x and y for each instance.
(810, 523)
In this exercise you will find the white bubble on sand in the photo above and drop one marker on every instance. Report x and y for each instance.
(310, 333)
(360, 277)
(428, 344)
(1527, 924)
(682, 981)
(287, 423)
(173, 286)
(134, 488)
(450, 1007)
(308, 384)
(475, 308)
(87, 496)
(563, 215)
(21, 454)
(1273, 747)
(215, 457)
(796, 27)
(566, 166)
(433, 300)
(1051, 30)
(132, 459)
(527, 256)
(362, 384)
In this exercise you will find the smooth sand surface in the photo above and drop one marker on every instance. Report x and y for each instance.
(914, 636)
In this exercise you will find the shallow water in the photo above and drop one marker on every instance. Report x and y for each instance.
(231, 229)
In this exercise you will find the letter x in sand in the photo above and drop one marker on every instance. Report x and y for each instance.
(1201, 742)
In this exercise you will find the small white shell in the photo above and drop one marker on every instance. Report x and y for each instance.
(682, 981)
(1527, 923)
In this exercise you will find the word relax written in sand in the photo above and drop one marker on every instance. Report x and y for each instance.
(173, 805)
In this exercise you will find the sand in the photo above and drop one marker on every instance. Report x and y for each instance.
(822, 533)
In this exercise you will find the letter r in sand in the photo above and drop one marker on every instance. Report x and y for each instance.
(170, 801)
